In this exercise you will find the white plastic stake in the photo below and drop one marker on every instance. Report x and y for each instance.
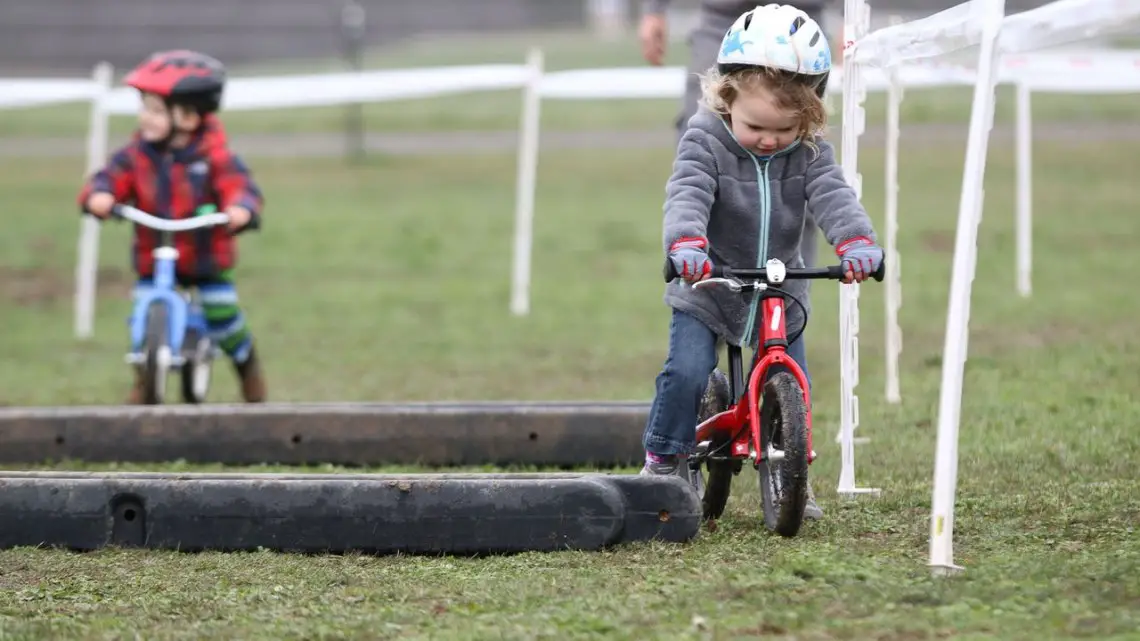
(87, 264)
(1024, 190)
(857, 19)
(954, 353)
(891, 205)
(526, 185)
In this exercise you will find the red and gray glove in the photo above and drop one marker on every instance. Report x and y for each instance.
(860, 256)
(689, 258)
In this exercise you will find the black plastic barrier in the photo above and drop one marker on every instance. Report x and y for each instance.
(379, 514)
(430, 434)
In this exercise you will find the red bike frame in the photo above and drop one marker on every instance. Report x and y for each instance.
(747, 413)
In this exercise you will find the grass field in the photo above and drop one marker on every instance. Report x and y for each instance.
(389, 281)
(499, 110)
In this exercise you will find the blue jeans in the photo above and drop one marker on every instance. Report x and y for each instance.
(672, 424)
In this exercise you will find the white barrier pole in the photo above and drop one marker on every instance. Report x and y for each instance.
(526, 185)
(856, 15)
(961, 283)
(1024, 190)
(891, 207)
(87, 265)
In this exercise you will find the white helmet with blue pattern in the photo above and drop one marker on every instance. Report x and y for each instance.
(779, 36)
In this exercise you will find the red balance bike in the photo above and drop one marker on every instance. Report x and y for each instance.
(773, 433)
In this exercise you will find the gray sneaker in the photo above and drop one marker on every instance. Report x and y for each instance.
(811, 510)
(678, 467)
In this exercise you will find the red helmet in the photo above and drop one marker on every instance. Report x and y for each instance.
(181, 77)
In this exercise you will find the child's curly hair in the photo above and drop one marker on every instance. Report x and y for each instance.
(791, 91)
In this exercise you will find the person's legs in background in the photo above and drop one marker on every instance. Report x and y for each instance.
(704, 43)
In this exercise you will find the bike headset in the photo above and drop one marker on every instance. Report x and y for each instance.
(790, 338)
(181, 77)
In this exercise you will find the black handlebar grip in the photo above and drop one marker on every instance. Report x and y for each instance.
(836, 272)
(881, 271)
(670, 271)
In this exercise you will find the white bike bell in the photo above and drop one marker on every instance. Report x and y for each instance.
(779, 36)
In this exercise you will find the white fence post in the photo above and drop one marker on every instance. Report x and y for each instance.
(1024, 190)
(961, 284)
(857, 18)
(891, 212)
(87, 265)
(526, 185)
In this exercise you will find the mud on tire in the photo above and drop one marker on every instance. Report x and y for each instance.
(783, 484)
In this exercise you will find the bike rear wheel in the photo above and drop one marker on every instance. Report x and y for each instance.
(784, 477)
(156, 347)
(714, 490)
(197, 366)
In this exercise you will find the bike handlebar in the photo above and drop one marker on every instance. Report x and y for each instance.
(831, 272)
(162, 224)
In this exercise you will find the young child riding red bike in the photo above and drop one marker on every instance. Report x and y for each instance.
(753, 157)
(176, 165)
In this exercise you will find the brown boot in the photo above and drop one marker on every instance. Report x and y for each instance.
(252, 380)
(135, 396)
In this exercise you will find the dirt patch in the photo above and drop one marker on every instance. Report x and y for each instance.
(941, 242)
(32, 287)
(915, 635)
(18, 576)
(995, 340)
(878, 536)
(762, 630)
(48, 286)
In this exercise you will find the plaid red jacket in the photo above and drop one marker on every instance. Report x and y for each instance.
(173, 184)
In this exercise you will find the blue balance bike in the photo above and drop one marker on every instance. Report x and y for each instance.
(168, 325)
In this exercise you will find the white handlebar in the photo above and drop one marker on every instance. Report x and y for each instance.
(161, 224)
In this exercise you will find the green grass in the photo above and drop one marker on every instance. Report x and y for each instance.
(389, 281)
(499, 110)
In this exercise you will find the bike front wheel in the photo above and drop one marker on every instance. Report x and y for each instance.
(156, 347)
(783, 467)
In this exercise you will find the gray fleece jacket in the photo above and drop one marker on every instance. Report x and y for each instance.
(722, 192)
